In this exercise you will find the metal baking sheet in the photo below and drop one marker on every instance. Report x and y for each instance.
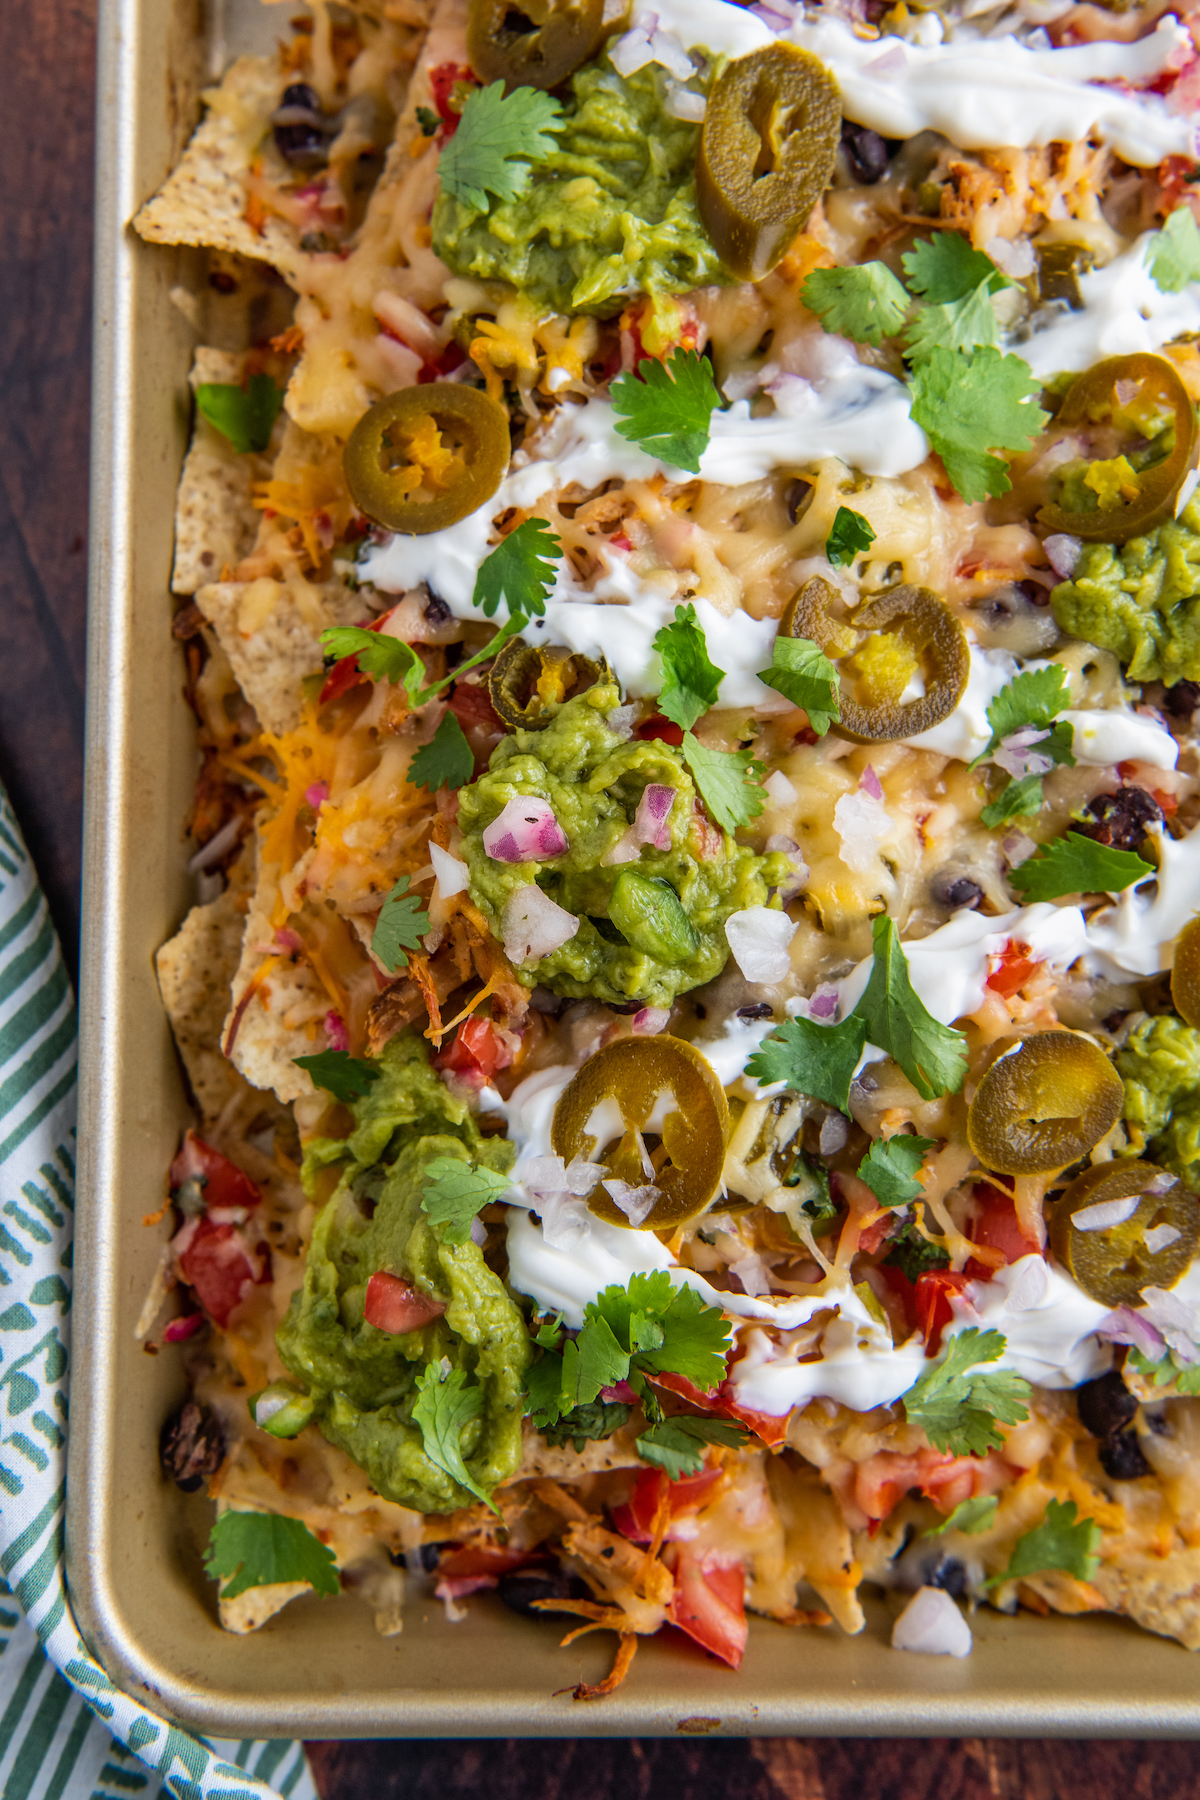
(318, 1669)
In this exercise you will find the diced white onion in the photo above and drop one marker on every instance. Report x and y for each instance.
(451, 874)
(1159, 1237)
(781, 790)
(932, 1624)
(759, 939)
(1106, 1213)
(533, 925)
(1063, 553)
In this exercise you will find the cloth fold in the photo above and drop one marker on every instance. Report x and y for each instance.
(66, 1733)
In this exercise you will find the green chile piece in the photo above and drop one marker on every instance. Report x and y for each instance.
(594, 781)
(646, 910)
(281, 1410)
(362, 1381)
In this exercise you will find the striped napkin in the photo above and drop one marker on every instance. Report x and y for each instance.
(66, 1733)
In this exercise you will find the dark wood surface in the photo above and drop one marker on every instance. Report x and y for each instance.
(46, 99)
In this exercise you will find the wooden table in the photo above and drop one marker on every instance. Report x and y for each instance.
(46, 54)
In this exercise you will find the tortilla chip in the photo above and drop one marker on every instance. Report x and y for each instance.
(270, 631)
(272, 1027)
(562, 1462)
(1160, 1593)
(216, 521)
(195, 969)
(203, 200)
(252, 1609)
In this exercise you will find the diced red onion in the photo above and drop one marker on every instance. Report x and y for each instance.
(335, 1031)
(1106, 1213)
(622, 720)
(637, 1203)
(650, 1021)
(456, 1587)
(823, 1001)
(870, 783)
(1159, 1237)
(287, 939)
(619, 1392)
(650, 821)
(317, 794)
(759, 938)
(533, 926)
(932, 1624)
(217, 845)
(526, 831)
(1062, 553)
(1125, 1326)
(451, 874)
(625, 850)
(177, 1331)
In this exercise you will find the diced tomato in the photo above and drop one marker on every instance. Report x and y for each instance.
(451, 358)
(933, 1291)
(395, 1305)
(216, 1263)
(477, 1051)
(709, 1603)
(471, 705)
(883, 1479)
(767, 1426)
(904, 1291)
(874, 1235)
(635, 1520)
(483, 1559)
(443, 80)
(224, 1184)
(658, 726)
(997, 1225)
(1013, 968)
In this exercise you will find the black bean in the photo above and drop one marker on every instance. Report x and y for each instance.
(866, 153)
(192, 1446)
(521, 1587)
(760, 1010)
(436, 611)
(1105, 1405)
(951, 888)
(300, 94)
(798, 498)
(950, 1575)
(1121, 1457)
(1182, 699)
(428, 1556)
(301, 144)
(1121, 819)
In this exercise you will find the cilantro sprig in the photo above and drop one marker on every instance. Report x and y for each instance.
(969, 1516)
(891, 1165)
(648, 1328)
(244, 415)
(381, 657)
(344, 1076)
(446, 761)
(445, 1404)
(496, 142)
(957, 1404)
(519, 571)
(1030, 701)
(969, 398)
(401, 926)
(666, 408)
(1075, 864)
(1061, 1541)
(677, 1444)
(456, 1192)
(691, 680)
(803, 674)
(729, 782)
(821, 1059)
(250, 1549)
(849, 535)
(1174, 252)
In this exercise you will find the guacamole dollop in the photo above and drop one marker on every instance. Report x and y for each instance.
(1140, 600)
(1160, 1067)
(610, 213)
(363, 1380)
(594, 780)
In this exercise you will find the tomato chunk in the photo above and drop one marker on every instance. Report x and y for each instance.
(771, 1429)
(709, 1603)
(635, 1520)
(1013, 968)
(996, 1225)
(223, 1183)
(215, 1261)
(476, 1049)
(659, 726)
(933, 1291)
(396, 1306)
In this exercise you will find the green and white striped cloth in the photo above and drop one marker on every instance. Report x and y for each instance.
(66, 1733)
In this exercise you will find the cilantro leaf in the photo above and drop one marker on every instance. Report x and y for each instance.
(1032, 699)
(543, 1390)
(695, 1339)
(344, 1076)
(969, 407)
(667, 408)
(969, 1516)
(890, 1167)
(801, 671)
(521, 569)
(677, 1444)
(966, 325)
(932, 1055)
(446, 761)
(244, 415)
(382, 658)
(849, 535)
(1168, 1368)
(1061, 1541)
(866, 303)
(593, 1360)
(259, 1549)
(690, 680)
(729, 782)
(401, 926)
(495, 143)
(1174, 252)
(587, 1424)
(819, 1060)
(1017, 801)
(956, 1404)
(444, 1405)
(1075, 864)
(913, 1254)
(455, 1194)
(944, 269)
